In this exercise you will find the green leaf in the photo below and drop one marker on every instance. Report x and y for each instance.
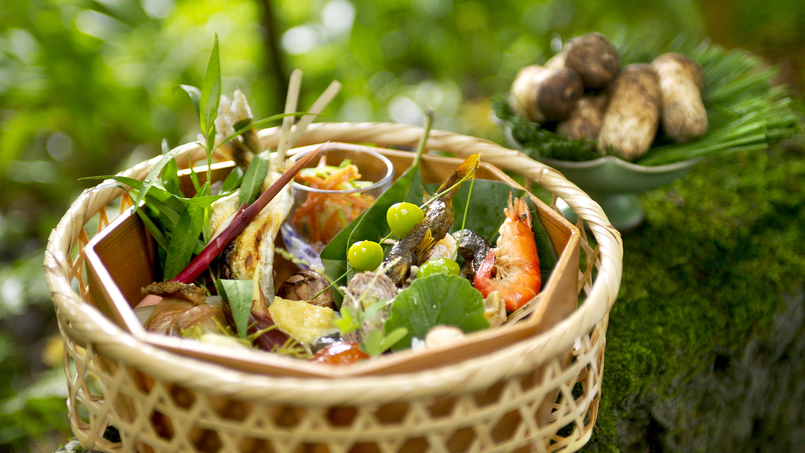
(170, 178)
(133, 183)
(232, 181)
(392, 338)
(242, 124)
(158, 200)
(195, 97)
(193, 178)
(253, 179)
(372, 343)
(200, 245)
(370, 225)
(153, 175)
(210, 97)
(335, 271)
(183, 241)
(161, 213)
(165, 148)
(160, 238)
(238, 294)
(201, 201)
(206, 227)
(347, 322)
(377, 343)
(440, 299)
(150, 187)
(162, 203)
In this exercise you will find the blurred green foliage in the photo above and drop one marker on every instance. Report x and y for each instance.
(88, 87)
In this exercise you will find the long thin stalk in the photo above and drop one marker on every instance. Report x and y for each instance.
(292, 98)
(240, 222)
(299, 128)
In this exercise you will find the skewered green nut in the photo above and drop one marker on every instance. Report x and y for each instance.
(403, 217)
(365, 255)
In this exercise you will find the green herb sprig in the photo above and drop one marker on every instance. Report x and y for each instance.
(178, 223)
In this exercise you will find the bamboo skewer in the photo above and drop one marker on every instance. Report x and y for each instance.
(317, 107)
(291, 100)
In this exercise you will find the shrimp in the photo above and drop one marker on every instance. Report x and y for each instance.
(512, 268)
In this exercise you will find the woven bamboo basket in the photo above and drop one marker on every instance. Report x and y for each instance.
(120, 260)
(162, 401)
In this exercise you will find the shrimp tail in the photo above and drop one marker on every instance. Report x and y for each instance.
(518, 211)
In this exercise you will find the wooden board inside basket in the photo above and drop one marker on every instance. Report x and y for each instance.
(120, 261)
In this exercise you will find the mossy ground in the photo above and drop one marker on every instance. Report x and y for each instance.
(705, 342)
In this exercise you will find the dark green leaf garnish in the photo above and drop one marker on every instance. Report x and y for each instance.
(254, 177)
(160, 238)
(170, 178)
(195, 97)
(232, 181)
(538, 142)
(153, 175)
(238, 294)
(378, 342)
(183, 244)
(440, 299)
(210, 98)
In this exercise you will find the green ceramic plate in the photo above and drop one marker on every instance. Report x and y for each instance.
(615, 183)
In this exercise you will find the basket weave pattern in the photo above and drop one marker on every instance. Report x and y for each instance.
(163, 402)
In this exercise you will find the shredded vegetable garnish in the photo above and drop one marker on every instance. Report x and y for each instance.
(323, 215)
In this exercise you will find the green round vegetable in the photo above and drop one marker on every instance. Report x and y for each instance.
(365, 255)
(438, 266)
(403, 217)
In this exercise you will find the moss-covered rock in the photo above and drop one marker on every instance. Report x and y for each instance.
(709, 317)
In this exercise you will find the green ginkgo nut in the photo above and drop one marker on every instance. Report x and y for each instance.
(403, 217)
(365, 256)
(438, 266)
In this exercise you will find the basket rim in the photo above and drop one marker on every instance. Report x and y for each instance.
(85, 324)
